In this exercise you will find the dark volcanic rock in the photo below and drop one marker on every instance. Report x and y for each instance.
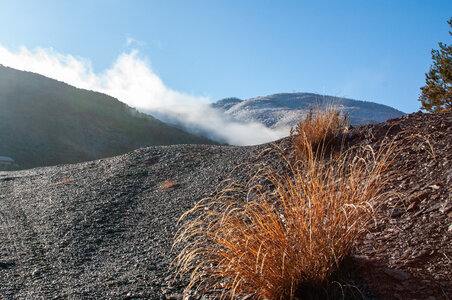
(411, 246)
(104, 229)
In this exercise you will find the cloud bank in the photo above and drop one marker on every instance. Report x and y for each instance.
(131, 80)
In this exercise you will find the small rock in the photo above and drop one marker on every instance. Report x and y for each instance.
(369, 236)
(397, 212)
(407, 253)
(433, 208)
(36, 272)
(418, 196)
(6, 264)
(420, 253)
(411, 206)
(398, 274)
(397, 296)
(435, 187)
(128, 296)
(449, 228)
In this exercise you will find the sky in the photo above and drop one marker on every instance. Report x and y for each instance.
(151, 54)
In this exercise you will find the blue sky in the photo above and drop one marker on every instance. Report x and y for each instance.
(367, 50)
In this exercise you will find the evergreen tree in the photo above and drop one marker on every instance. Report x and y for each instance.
(437, 92)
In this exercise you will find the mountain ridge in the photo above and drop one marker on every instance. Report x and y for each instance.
(46, 122)
(285, 109)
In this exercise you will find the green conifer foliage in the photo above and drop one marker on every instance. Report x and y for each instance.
(437, 92)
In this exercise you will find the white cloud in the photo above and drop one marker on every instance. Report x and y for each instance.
(203, 119)
(132, 42)
(132, 81)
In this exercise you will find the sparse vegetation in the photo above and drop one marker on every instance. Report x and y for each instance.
(317, 130)
(284, 242)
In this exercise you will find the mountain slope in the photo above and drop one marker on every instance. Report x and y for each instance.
(46, 122)
(285, 110)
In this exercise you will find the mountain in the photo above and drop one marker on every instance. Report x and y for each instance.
(104, 229)
(46, 122)
(285, 110)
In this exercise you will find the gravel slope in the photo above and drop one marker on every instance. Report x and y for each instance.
(104, 229)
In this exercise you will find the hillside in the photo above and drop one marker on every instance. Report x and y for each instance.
(284, 110)
(104, 229)
(46, 122)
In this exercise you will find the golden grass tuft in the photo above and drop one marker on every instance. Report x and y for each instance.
(318, 129)
(283, 242)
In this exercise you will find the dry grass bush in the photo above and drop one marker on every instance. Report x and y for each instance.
(283, 243)
(275, 244)
(317, 130)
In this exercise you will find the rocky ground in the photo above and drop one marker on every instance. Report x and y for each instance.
(408, 255)
(104, 229)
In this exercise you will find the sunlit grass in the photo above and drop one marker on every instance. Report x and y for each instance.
(286, 241)
(314, 133)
